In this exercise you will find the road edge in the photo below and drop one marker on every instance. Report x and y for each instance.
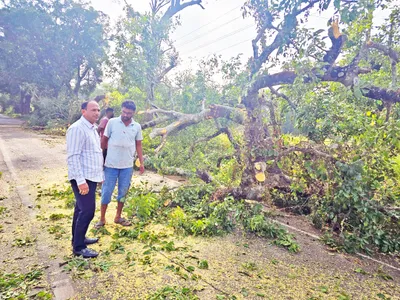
(62, 288)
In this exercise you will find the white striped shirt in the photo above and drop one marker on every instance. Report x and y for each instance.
(84, 154)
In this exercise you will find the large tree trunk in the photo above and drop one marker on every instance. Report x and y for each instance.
(260, 153)
(24, 104)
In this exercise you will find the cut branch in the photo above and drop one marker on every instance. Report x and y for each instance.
(163, 142)
(185, 120)
(170, 113)
(337, 40)
(155, 122)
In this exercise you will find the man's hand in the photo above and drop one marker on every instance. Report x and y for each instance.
(83, 188)
(141, 169)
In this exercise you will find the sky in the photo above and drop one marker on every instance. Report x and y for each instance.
(219, 28)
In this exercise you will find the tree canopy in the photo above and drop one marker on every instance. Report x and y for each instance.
(47, 47)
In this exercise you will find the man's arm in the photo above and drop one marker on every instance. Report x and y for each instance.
(139, 151)
(104, 142)
(75, 141)
(102, 125)
(106, 136)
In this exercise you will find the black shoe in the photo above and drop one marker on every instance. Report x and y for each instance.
(86, 253)
(89, 241)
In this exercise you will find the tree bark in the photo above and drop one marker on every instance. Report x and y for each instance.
(259, 148)
(25, 103)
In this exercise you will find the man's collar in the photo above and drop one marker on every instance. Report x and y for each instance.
(87, 123)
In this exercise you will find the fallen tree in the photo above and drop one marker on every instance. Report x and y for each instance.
(262, 140)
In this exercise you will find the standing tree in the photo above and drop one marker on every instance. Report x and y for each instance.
(144, 51)
(49, 46)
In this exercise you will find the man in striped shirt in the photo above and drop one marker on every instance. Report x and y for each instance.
(85, 170)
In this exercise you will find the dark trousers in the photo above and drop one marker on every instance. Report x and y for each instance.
(85, 207)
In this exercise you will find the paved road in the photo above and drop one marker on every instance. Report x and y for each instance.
(7, 121)
(33, 160)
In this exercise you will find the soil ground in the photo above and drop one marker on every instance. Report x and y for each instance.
(239, 265)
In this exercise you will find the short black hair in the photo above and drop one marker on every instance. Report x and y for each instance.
(129, 104)
(84, 105)
(109, 109)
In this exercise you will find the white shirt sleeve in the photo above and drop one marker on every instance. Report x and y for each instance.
(75, 141)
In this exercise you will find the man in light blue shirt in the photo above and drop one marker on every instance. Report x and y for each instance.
(85, 170)
(122, 138)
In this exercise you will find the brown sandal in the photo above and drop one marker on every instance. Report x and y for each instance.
(123, 222)
(99, 224)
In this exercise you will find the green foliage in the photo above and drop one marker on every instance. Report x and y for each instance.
(141, 203)
(24, 242)
(3, 210)
(249, 266)
(177, 218)
(57, 230)
(117, 247)
(192, 196)
(5, 103)
(55, 217)
(361, 222)
(173, 292)
(17, 286)
(101, 265)
(204, 218)
(199, 216)
(56, 193)
(183, 153)
(256, 221)
(46, 48)
(380, 273)
(352, 193)
(102, 230)
(51, 113)
(127, 233)
(76, 265)
(202, 264)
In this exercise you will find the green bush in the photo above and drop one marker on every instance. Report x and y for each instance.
(141, 203)
(361, 222)
(54, 112)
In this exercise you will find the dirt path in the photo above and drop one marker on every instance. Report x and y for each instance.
(244, 266)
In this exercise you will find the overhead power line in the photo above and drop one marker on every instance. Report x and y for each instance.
(220, 38)
(212, 21)
(207, 33)
(233, 45)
